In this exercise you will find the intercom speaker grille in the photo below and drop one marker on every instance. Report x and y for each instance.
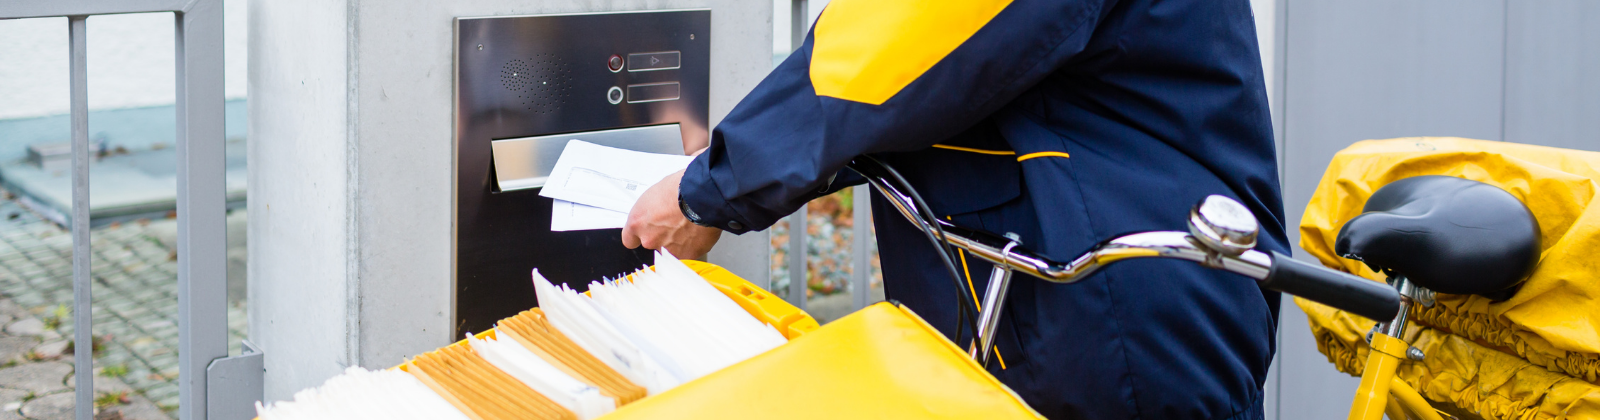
(541, 82)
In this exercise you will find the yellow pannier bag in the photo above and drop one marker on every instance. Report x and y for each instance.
(882, 362)
(1535, 355)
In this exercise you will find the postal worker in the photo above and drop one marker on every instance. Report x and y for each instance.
(1064, 121)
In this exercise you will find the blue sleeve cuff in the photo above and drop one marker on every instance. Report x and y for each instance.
(701, 194)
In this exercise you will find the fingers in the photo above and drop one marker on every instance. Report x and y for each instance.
(630, 235)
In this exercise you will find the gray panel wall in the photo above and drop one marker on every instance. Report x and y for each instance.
(1553, 73)
(1366, 69)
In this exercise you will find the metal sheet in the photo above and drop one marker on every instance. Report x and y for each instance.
(524, 163)
(526, 76)
(233, 384)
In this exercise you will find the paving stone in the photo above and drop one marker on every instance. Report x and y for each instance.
(51, 349)
(15, 348)
(8, 396)
(39, 378)
(138, 409)
(51, 407)
(11, 309)
(12, 411)
(28, 326)
(102, 384)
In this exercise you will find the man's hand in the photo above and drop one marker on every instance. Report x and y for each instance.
(656, 223)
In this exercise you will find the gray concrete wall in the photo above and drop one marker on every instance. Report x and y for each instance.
(1366, 69)
(300, 231)
(351, 171)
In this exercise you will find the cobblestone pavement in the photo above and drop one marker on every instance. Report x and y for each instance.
(135, 302)
(36, 375)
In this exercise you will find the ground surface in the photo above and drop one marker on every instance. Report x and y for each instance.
(134, 268)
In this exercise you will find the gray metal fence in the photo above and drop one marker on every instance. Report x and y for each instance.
(210, 383)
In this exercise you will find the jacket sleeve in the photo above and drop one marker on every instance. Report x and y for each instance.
(876, 76)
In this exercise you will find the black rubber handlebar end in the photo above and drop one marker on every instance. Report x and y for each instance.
(1376, 301)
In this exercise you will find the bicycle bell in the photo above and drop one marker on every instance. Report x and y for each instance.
(1224, 225)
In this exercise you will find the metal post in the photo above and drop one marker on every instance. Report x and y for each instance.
(797, 258)
(202, 233)
(861, 274)
(799, 12)
(82, 316)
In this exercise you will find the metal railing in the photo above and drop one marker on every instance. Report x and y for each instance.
(210, 383)
(861, 259)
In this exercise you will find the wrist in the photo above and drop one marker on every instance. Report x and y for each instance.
(683, 207)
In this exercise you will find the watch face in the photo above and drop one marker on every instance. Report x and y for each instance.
(687, 213)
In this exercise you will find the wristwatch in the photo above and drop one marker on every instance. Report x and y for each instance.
(688, 213)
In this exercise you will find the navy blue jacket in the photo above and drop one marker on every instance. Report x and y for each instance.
(1067, 122)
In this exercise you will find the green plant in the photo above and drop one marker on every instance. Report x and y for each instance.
(107, 399)
(53, 321)
(115, 371)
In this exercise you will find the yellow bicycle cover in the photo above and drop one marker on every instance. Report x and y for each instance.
(882, 362)
(1535, 355)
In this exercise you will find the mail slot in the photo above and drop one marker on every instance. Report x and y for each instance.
(525, 87)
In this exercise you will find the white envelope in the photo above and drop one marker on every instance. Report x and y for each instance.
(607, 177)
(569, 216)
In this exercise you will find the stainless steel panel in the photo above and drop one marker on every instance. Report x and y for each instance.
(534, 76)
(524, 163)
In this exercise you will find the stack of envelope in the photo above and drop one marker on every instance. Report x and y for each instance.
(577, 356)
(595, 186)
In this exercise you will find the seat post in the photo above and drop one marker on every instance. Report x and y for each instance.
(1397, 327)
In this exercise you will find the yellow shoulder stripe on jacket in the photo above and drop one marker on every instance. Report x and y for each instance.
(969, 149)
(1042, 154)
(868, 50)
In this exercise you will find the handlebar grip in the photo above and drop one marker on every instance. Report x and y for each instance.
(1356, 295)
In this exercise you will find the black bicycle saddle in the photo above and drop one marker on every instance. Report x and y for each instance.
(1447, 234)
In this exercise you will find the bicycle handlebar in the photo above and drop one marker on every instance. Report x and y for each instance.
(1274, 272)
(1353, 294)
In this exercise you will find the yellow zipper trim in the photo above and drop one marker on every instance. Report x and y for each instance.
(1042, 154)
(975, 302)
(983, 151)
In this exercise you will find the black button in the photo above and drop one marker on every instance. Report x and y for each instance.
(615, 63)
(735, 225)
